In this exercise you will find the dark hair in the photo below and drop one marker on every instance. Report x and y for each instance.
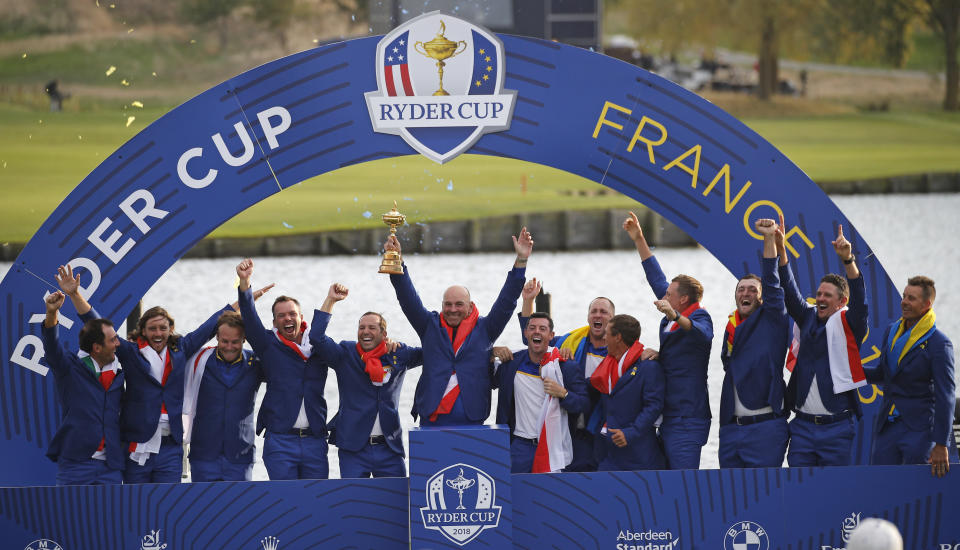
(926, 283)
(627, 327)
(542, 315)
(690, 287)
(92, 333)
(280, 299)
(230, 319)
(383, 322)
(752, 276)
(839, 282)
(155, 311)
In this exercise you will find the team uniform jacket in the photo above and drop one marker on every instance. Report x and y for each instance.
(223, 425)
(89, 413)
(633, 406)
(684, 355)
(759, 349)
(360, 399)
(144, 394)
(290, 380)
(812, 358)
(922, 386)
(472, 362)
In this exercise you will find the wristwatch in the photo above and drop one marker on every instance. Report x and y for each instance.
(849, 260)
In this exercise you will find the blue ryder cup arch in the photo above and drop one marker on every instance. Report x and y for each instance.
(305, 115)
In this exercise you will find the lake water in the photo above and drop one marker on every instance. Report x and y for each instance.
(910, 234)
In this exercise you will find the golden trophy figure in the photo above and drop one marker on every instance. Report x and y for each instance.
(392, 263)
(440, 48)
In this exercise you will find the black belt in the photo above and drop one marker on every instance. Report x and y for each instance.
(824, 418)
(747, 420)
(377, 440)
(301, 432)
(530, 440)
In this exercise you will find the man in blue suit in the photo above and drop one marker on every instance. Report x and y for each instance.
(686, 332)
(87, 446)
(632, 399)
(222, 382)
(366, 428)
(522, 390)
(824, 382)
(455, 386)
(916, 370)
(753, 426)
(293, 411)
(587, 347)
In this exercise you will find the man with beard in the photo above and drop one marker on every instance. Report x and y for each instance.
(366, 428)
(917, 373)
(293, 412)
(824, 382)
(87, 446)
(686, 332)
(528, 388)
(753, 427)
(222, 384)
(455, 386)
(587, 346)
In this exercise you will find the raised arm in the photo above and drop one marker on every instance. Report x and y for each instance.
(254, 331)
(772, 291)
(529, 294)
(52, 348)
(506, 301)
(70, 285)
(632, 226)
(844, 250)
(410, 303)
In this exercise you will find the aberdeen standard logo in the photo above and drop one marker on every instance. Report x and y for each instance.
(440, 85)
(460, 503)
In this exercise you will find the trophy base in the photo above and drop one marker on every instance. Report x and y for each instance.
(441, 91)
(391, 267)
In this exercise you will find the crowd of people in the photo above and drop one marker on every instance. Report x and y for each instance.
(594, 398)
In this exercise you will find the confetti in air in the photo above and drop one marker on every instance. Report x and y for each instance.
(287, 225)
(367, 214)
(137, 104)
(130, 120)
(24, 56)
(129, 31)
(450, 186)
(124, 82)
(111, 70)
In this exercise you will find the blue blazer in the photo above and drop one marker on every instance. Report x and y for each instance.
(472, 363)
(684, 354)
(223, 424)
(634, 405)
(290, 379)
(922, 387)
(575, 403)
(360, 399)
(144, 394)
(813, 358)
(759, 349)
(88, 413)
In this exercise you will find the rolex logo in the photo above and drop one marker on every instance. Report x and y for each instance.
(270, 543)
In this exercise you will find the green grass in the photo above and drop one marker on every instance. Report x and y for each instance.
(40, 162)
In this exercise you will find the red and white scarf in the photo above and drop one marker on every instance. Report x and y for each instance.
(732, 321)
(303, 348)
(672, 325)
(554, 448)
(191, 387)
(105, 375)
(843, 351)
(452, 390)
(160, 367)
(794, 350)
(610, 370)
(372, 364)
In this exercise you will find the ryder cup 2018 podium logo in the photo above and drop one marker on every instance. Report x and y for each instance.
(440, 85)
(460, 503)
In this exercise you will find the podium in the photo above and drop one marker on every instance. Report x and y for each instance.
(460, 487)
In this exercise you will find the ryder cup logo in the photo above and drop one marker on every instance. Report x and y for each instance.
(746, 535)
(440, 85)
(460, 503)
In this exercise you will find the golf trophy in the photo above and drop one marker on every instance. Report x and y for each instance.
(440, 48)
(392, 263)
